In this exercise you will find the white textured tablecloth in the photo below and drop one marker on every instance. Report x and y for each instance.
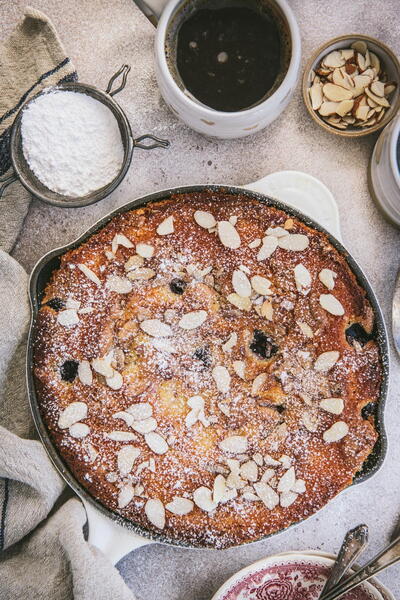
(100, 36)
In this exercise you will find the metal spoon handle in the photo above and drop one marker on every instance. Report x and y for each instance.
(353, 544)
(389, 556)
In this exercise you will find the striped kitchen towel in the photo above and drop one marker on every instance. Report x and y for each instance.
(30, 59)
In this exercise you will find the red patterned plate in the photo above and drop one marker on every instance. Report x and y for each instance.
(291, 576)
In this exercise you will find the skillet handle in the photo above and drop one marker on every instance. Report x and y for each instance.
(111, 539)
(5, 182)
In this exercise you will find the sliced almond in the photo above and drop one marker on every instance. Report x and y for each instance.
(269, 245)
(255, 243)
(277, 231)
(305, 329)
(192, 320)
(299, 487)
(327, 277)
(260, 285)
(166, 227)
(331, 304)
(344, 107)
(287, 499)
(375, 62)
(267, 310)
(202, 497)
(142, 273)
(68, 318)
(126, 457)
(336, 93)
(120, 285)
(316, 95)
(155, 328)
(222, 378)
(328, 108)
(121, 436)
(155, 512)
(103, 365)
(219, 489)
(115, 382)
(326, 361)
(287, 480)
(74, 412)
(228, 235)
(85, 372)
(89, 274)
(342, 79)
(133, 262)
(230, 342)
(144, 250)
(265, 492)
(120, 240)
(144, 426)
(361, 81)
(302, 278)
(258, 382)
(337, 432)
(239, 301)
(362, 113)
(378, 88)
(180, 506)
(347, 53)
(156, 442)
(359, 46)
(333, 60)
(361, 62)
(140, 411)
(332, 405)
(125, 496)
(390, 87)
(234, 444)
(377, 99)
(79, 430)
(239, 368)
(249, 471)
(241, 284)
(294, 241)
(125, 416)
(204, 219)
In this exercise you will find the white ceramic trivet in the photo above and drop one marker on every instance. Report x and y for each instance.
(299, 190)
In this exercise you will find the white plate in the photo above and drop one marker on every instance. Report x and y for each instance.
(304, 192)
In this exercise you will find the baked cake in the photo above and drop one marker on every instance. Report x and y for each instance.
(202, 365)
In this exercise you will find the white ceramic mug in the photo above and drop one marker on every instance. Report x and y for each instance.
(384, 172)
(207, 120)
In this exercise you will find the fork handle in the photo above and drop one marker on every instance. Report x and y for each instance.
(389, 556)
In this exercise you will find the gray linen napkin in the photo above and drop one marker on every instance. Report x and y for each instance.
(30, 59)
(43, 553)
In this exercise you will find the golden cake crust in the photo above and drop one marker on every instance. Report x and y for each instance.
(235, 392)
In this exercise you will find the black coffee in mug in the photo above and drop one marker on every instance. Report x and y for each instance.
(229, 55)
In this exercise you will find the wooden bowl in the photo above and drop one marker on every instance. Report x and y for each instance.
(390, 64)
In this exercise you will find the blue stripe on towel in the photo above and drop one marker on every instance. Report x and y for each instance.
(26, 94)
(5, 160)
(3, 514)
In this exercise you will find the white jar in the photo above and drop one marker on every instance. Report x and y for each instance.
(384, 172)
(207, 120)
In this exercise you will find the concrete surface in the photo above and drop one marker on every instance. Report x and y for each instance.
(100, 36)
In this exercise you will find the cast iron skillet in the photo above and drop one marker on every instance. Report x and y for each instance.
(51, 261)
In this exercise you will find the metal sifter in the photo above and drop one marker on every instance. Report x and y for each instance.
(28, 179)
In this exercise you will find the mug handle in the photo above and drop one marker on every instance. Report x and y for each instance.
(4, 183)
(152, 9)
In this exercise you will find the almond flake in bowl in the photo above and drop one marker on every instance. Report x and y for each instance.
(351, 85)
